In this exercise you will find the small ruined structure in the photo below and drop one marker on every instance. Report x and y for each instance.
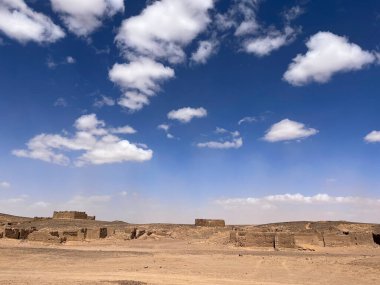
(209, 223)
(72, 215)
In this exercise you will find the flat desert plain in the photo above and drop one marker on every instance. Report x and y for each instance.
(181, 262)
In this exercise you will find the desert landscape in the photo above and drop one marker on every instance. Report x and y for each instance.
(73, 248)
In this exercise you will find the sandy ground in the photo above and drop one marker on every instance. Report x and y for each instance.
(181, 262)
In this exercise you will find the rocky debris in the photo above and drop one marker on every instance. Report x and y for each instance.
(46, 236)
(129, 282)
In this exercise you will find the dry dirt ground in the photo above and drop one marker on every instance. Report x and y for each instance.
(181, 262)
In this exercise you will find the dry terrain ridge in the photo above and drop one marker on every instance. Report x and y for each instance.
(74, 248)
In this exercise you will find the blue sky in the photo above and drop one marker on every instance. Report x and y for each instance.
(163, 111)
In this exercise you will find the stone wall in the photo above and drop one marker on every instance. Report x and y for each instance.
(70, 215)
(46, 236)
(254, 239)
(96, 233)
(308, 240)
(278, 240)
(209, 223)
(284, 240)
(74, 235)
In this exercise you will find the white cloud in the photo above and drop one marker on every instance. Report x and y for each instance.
(232, 140)
(205, 50)
(5, 184)
(160, 32)
(86, 200)
(293, 13)
(104, 101)
(253, 36)
(271, 41)
(123, 130)
(70, 60)
(60, 102)
(139, 80)
(296, 201)
(166, 129)
(286, 130)
(186, 114)
(373, 137)
(40, 204)
(290, 207)
(84, 16)
(96, 144)
(247, 120)
(245, 9)
(21, 23)
(235, 143)
(164, 28)
(327, 54)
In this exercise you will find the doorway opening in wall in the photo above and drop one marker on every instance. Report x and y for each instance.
(376, 238)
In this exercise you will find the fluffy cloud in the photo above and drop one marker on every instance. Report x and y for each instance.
(373, 137)
(70, 60)
(97, 144)
(123, 130)
(288, 207)
(21, 23)
(294, 198)
(246, 11)
(271, 41)
(104, 101)
(247, 120)
(4, 184)
(205, 50)
(159, 32)
(164, 28)
(255, 37)
(231, 140)
(286, 130)
(327, 54)
(89, 200)
(139, 80)
(60, 102)
(186, 114)
(83, 17)
(166, 129)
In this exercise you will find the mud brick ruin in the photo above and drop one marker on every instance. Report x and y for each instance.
(320, 234)
(72, 215)
(209, 223)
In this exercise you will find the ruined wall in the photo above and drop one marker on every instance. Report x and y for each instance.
(96, 233)
(74, 235)
(337, 239)
(46, 236)
(306, 240)
(249, 238)
(209, 223)
(70, 215)
(342, 239)
(284, 240)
